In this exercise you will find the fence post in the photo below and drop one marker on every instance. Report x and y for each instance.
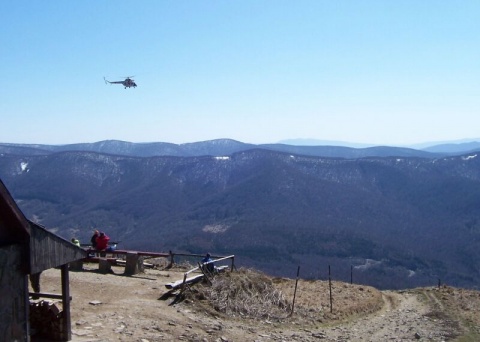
(233, 264)
(351, 274)
(295, 291)
(330, 286)
(171, 260)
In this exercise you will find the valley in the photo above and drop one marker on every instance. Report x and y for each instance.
(391, 222)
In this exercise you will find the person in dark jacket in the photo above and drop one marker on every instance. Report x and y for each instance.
(93, 240)
(208, 263)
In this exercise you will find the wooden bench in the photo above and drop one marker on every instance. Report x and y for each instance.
(134, 262)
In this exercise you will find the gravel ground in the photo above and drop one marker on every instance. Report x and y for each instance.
(114, 307)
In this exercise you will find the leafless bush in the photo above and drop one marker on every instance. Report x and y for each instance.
(247, 293)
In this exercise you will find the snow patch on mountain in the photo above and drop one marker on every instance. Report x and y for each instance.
(24, 166)
(469, 157)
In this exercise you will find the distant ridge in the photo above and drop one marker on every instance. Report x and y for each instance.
(455, 148)
(218, 147)
(443, 144)
(442, 147)
(316, 142)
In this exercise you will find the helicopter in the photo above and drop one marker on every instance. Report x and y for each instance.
(127, 83)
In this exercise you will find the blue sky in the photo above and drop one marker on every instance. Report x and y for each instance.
(374, 72)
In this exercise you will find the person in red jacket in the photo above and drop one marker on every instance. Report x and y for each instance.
(102, 242)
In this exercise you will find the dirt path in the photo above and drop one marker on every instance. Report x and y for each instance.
(403, 318)
(113, 307)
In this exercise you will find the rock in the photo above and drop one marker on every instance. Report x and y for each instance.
(119, 329)
(319, 335)
(417, 336)
(81, 332)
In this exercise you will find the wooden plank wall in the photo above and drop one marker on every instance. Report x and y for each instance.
(48, 250)
(13, 295)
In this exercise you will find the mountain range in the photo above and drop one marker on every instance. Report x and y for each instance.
(221, 147)
(391, 217)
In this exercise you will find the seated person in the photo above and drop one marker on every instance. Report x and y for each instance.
(208, 263)
(94, 237)
(102, 242)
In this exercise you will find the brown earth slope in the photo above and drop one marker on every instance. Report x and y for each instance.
(250, 306)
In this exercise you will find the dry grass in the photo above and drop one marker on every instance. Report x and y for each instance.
(251, 294)
(312, 302)
(462, 305)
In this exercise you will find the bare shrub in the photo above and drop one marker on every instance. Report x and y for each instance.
(247, 292)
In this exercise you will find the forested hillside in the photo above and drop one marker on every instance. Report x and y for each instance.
(398, 221)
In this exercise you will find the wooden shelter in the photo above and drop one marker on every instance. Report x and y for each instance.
(27, 249)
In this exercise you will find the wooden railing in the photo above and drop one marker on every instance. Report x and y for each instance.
(187, 280)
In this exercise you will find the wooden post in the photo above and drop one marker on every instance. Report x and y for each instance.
(27, 307)
(330, 286)
(351, 274)
(233, 264)
(104, 266)
(184, 282)
(295, 291)
(134, 264)
(171, 260)
(67, 326)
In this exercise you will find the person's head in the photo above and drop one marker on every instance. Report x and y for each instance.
(208, 255)
(95, 232)
(102, 234)
(73, 239)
